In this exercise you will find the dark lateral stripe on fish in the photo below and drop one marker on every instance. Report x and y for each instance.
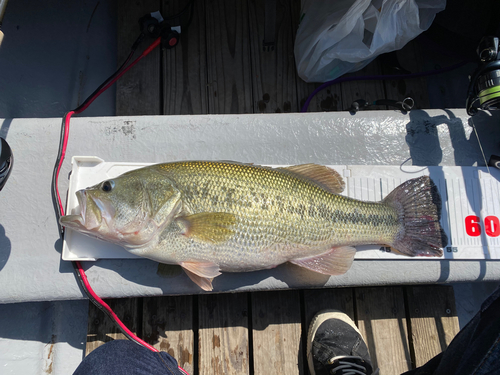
(357, 218)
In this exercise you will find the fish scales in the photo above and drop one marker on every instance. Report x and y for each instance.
(274, 207)
(227, 216)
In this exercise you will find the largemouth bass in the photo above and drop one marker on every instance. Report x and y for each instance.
(210, 217)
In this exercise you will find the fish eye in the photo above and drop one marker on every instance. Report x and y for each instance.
(107, 186)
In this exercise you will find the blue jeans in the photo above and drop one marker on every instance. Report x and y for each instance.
(475, 350)
(127, 358)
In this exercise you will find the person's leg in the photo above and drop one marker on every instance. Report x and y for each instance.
(125, 357)
(334, 343)
(335, 346)
(475, 349)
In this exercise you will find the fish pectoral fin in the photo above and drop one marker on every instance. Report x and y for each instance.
(201, 273)
(213, 227)
(335, 262)
(328, 178)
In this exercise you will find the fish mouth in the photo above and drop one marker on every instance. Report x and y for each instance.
(89, 219)
(96, 219)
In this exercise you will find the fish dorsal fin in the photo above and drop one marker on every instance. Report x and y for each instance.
(328, 178)
(335, 262)
(201, 273)
(213, 227)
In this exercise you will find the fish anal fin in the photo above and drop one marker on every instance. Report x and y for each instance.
(213, 227)
(203, 282)
(337, 261)
(328, 178)
(201, 273)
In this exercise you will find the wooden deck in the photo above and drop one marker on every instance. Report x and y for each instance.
(254, 333)
(220, 67)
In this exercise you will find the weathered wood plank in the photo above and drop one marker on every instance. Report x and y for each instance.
(223, 334)
(273, 71)
(316, 300)
(185, 65)
(329, 99)
(276, 324)
(433, 320)
(228, 57)
(326, 100)
(411, 58)
(168, 326)
(138, 91)
(369, 90)
(102, 329)
(382, 322)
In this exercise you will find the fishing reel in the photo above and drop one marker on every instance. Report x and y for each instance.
(484, 87)
(6, 161)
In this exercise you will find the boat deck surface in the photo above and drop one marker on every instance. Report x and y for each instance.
(220, 67)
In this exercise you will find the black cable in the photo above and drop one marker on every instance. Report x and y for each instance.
(61, 150)
(77, 110)
(99, 306)
(55, 175)
(190, 16)
(189, 4)
(111, 77)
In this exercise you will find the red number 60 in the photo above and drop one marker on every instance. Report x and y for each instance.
(491, 226)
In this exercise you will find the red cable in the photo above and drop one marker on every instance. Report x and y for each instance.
(63, 153)
(106, 306)
(61, 208)
(83, 108)
(143, 54)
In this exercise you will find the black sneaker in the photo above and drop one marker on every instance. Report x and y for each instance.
(335, 346)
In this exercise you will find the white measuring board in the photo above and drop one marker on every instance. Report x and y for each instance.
(470, 206)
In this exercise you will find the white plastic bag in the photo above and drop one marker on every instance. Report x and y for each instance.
(341, 36)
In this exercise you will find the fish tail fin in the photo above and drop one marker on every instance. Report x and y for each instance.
(419, 206)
